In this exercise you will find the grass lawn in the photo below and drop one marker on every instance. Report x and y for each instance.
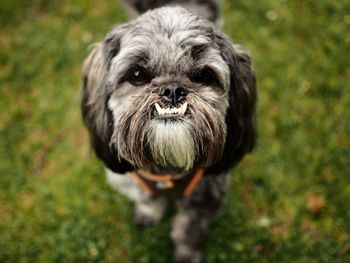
(289, 199)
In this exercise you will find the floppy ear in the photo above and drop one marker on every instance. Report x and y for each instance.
(95, 94)
(241, 115)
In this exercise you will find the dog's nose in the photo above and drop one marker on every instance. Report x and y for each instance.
(173, 94)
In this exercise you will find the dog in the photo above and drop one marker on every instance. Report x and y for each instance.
(170, 106)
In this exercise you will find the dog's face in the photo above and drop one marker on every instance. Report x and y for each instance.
(169, 92)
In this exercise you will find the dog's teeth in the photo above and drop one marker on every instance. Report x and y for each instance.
(159, 109)
(183, 108)
(179, 110)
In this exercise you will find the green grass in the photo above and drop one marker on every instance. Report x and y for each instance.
(289, 199)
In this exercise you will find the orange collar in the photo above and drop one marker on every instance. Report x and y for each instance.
(166, 181)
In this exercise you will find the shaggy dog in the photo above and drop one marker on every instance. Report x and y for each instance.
(169, 103)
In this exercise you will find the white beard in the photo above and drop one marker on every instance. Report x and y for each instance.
(172, 143)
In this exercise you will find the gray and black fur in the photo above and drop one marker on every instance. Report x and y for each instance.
(166, 58)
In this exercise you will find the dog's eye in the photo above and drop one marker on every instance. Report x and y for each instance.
(206, 76)
(138, 77)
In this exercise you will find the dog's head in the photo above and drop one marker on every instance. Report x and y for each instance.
(169, 91)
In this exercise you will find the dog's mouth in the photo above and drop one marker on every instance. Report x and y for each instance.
(167, 112)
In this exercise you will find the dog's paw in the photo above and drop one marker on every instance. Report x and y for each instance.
(142, 221)
(187, 256)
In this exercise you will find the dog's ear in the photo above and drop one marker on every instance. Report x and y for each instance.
(95, 94)
(241, 115)
(111, 44)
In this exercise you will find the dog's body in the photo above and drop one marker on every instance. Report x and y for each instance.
(167, 98)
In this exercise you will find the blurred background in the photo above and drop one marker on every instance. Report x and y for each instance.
(289, 199)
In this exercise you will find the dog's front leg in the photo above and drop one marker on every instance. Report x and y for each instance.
(148, 210)
(194, 214)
